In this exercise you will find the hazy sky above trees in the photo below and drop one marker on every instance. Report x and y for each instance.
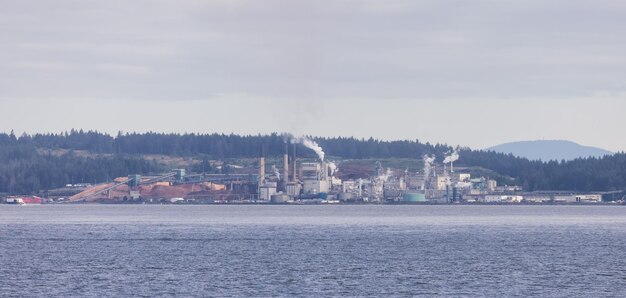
(474, 73)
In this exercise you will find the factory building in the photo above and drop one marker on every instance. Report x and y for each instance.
(503, 199)
(315, 178)
(310, 181)
(464, 177)
(394, 189)
(267, 190)
(578, 198)
(280, 188)
(442, 182)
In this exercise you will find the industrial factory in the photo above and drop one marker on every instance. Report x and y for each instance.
(309, 181)
(315, 181)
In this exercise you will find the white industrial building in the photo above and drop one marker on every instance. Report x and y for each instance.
(315, 178)
(578, 198)
(266, 191)
(503, 199)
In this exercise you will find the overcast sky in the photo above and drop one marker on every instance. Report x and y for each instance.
(475, 73)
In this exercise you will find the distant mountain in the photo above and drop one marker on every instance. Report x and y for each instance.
(549, 150)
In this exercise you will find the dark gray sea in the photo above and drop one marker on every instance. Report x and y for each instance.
(316, 251)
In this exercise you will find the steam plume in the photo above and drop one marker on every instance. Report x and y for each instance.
(333, 168)
(307, 142)
(385, 176)
(451, 159)
(314, 146)
(428, 164)
(454, 156)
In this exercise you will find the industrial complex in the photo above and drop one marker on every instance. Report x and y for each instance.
(310, 181)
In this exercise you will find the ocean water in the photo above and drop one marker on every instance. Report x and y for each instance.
(314, 251)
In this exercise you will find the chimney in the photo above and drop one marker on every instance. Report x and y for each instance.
(261, 171)
(286, 164)
(294, 176)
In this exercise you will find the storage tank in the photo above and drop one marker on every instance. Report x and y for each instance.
(414, 197)
(279, 198)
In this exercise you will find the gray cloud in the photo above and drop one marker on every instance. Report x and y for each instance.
(320, 53)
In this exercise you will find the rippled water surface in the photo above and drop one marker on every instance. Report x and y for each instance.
(494, 251)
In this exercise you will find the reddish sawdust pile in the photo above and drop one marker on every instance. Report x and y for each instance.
(355, 171)
(154, 190)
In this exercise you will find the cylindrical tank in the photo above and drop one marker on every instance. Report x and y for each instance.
(414, 197)
(279, 198)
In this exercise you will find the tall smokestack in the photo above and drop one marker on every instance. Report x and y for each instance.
(286, 165)
(261, 171)
(454, 156)
(294, 176)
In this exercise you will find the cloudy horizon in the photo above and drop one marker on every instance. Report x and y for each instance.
(474, 73)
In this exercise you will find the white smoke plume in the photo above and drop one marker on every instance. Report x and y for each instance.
(333, 168)
(314, 146)
(307, 142)
(385, 176)
(452, 157)
(428, 164)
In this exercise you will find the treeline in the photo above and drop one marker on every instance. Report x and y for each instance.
(584, 174)
(24, 169)
(220, 146)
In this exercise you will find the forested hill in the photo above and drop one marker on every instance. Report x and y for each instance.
(607, 173)
(220, 146)
(547, 150)
(25, 169)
